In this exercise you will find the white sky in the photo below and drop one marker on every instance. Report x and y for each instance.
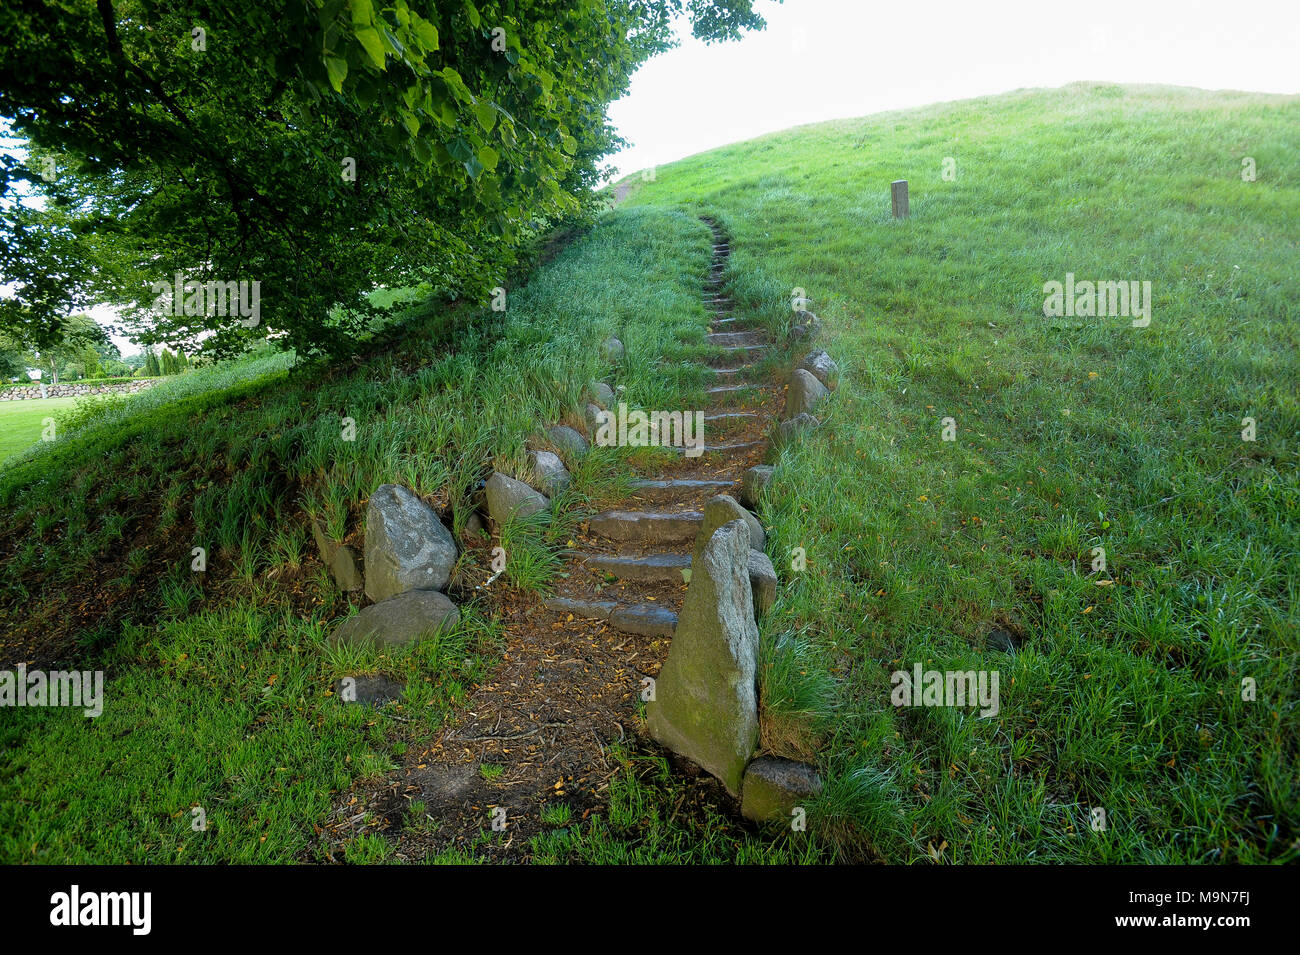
(829, 59)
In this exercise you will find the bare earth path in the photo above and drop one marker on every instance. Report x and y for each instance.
(569, 684)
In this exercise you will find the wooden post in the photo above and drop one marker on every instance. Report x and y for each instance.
(898, 194)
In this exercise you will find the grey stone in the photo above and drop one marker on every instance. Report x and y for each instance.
(720, 510)
(594, 416)
(706, 704)
(344, 569)
(788, 431)
(374, 689)
(774, 787)
(821, 366)
(603, 393)
(508, 498)
(647, 527)
(399, 620)
(803, 394)
(407, 548)
(762, 581)
(612, 349)
(753, 483)
(324, 543)
(647, 620)
(652, 567)
(567, 441)
(591, 609)
(474, 525)
(550, 475)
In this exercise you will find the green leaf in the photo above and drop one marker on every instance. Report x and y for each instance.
(338, 72)
(363, 14)
(374, 46)
(471, 11)
(411, 121)
(425, 31)
(460, 149)
(488, 157)
(487, 115)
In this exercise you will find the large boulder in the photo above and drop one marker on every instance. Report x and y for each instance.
(803, 394)
(399, 620)
(821, 366)
(706, 705)
(549, 473)
(407, 548)
(753, 483)
(567, 441)
(508, 498)
(774, 787)
(722, 509)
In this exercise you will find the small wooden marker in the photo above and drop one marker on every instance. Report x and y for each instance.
(898, 194)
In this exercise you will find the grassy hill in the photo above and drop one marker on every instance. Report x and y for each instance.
(1119, 689)
(1126, 691)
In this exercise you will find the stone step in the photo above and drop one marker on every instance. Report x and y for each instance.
(713, 449)
(734, 339)
(742, 349)
(678, 488)
(727, 417)
(731, 372)
(656, 568)
(724, 390)
(646, 619)
(647, 527)
(591, 609)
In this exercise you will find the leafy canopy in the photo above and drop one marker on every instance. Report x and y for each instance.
(318, 147)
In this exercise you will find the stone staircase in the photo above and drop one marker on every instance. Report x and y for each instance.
(636, 559)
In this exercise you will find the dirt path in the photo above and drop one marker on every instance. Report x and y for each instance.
(569, 684)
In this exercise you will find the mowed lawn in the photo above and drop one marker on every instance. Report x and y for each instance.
(1102, 531)
(21, 422)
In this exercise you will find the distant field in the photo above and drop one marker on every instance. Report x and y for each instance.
(21, 422)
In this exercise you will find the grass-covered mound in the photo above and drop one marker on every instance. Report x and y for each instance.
(1126, 691)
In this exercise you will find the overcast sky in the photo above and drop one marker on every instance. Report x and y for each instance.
(829, 59)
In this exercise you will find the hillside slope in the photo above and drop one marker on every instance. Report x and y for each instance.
(1121, 689)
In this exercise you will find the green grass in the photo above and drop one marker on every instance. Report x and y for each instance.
(217, 682)
(1125, 694)
(23, 422)
(1071, 434)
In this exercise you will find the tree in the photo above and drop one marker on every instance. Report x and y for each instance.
(77, 348)
(315, 147)
(152, 369)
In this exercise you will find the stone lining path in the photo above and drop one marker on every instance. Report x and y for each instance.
(570, 682)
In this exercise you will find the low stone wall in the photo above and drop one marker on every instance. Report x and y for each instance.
(75, 390)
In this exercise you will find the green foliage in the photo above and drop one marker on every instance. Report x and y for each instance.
(318, 148)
